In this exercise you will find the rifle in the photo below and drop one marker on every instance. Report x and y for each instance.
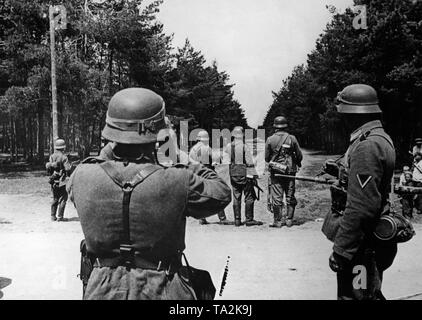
(398, 189)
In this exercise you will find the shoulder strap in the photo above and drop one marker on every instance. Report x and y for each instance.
(126, 250)
(279, 145)
(93, 160)
(380, 135)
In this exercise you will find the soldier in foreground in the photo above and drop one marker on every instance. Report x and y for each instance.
(133, 211)
(58, 167)
(242, 178)
(283, 155)
(359, 259)
(202, 153)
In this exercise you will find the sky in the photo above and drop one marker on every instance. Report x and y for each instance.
(257, 42)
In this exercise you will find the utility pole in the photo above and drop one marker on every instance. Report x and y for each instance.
(58, 20)
(52, 10)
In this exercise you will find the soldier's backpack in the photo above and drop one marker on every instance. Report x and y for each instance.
(284, 156)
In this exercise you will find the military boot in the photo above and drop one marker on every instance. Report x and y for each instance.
(237, 214)
(53, 211)
(223, 219)
(249, 206)
(203, 221)
(60, 212)
(278, 223)
(290, 215)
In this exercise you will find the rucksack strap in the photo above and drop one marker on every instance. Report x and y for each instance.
(279, 147)
(126, 249)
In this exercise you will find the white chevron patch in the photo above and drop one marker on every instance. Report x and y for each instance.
(363, 179)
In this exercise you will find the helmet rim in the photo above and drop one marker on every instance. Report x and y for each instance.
(357, 108)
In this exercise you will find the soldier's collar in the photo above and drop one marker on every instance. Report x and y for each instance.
(365, 129)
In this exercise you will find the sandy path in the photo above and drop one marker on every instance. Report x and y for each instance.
(42, 258)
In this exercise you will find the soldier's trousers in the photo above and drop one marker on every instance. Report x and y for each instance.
(279, 188)
(362, 278)
(136, 284)
(59, 201)
(407, 202)
(247, 189)
(418, 199)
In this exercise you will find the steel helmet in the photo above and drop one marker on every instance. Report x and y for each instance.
(59, 144)
(418, 140)
(134, 116)
(358, 98)
(280, 122)
(237, 132)
(203, 136)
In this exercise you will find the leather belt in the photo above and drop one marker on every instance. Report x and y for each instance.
(170, 266)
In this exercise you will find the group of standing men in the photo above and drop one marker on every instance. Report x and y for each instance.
(133, 210)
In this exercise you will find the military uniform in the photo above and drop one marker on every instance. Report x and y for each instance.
(242, 178)
(202, 153)
(157, 227)
(417, 178)
(370, 162)
(133, 210)
(407, 200)
(282, 186)
(58, 166)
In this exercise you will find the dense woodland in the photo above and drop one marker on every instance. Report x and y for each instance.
(104, 48)
(386, 55)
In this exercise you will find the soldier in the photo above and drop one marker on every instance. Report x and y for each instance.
(358, 258)
(202, 153)
(418, 147)
(242, 178)
(417, 180)
(133, 210)
(282, 151)
(58, 167)
(407, 200)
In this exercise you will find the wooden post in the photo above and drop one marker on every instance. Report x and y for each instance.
(53, 75)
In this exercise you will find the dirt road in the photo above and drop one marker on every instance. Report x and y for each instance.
(42, 258)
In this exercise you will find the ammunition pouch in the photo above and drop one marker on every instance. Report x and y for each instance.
(338, 205)
(87, 265)
(394, 227)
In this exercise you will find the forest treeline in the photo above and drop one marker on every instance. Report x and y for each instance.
(386, 55)
(104, 48)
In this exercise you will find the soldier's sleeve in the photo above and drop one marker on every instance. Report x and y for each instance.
(208, 193)
(248, 157)
(364, 199)
(192, 155)
(49, 163)
(267, 150)
(226, 158)
(69, 184)
(66, 164)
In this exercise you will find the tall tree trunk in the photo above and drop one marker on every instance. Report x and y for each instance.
(15, 140)
(24, 138)
(110, 70)
(31, 138)
(40, 133)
